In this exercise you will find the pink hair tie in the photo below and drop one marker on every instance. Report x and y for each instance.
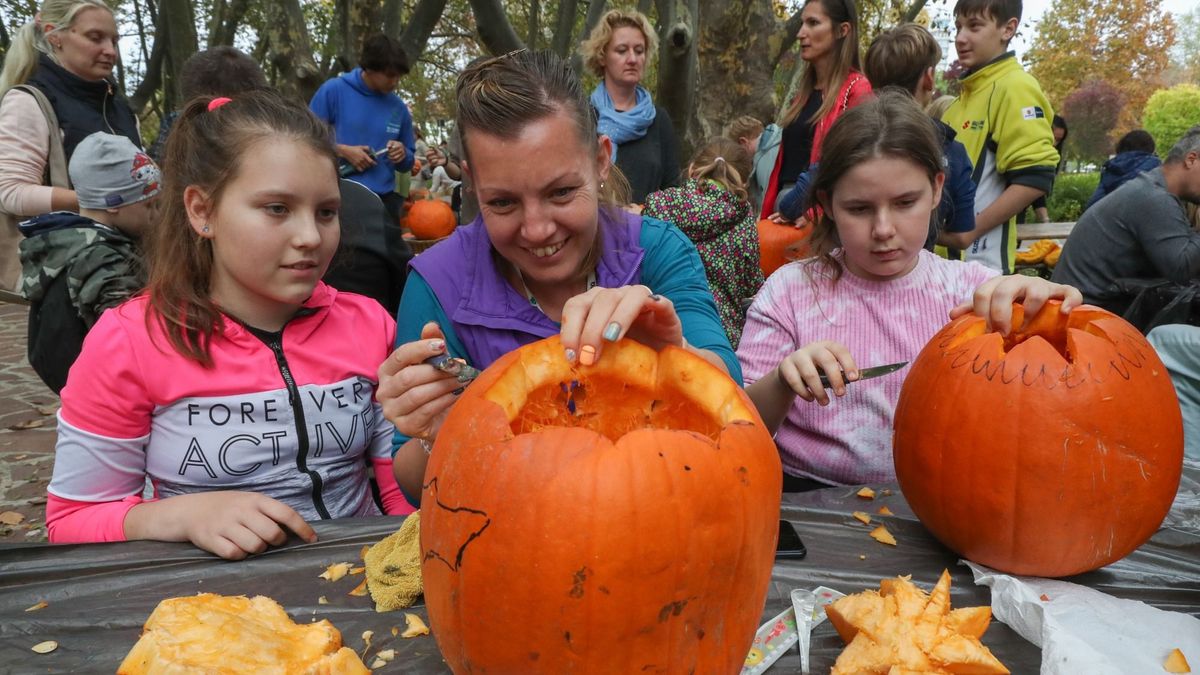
(218, 102)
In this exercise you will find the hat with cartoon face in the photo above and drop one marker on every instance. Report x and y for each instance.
(109, 172)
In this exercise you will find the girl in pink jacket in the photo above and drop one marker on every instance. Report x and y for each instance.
(240, 385)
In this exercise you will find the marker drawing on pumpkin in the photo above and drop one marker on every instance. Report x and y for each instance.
(466, 520)
(1126, 354)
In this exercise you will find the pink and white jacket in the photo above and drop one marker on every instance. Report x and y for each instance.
(291, 415)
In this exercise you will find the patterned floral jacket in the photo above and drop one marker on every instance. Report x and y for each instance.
(725, 232)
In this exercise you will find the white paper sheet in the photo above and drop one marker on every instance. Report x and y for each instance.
(1081, 630)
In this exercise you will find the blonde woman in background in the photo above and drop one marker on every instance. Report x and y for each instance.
(67, 53)
(643, 138)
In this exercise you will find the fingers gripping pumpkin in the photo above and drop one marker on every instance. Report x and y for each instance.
(1051, 452)
(600, 519)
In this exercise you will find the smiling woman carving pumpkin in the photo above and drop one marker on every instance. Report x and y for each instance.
(551, 253)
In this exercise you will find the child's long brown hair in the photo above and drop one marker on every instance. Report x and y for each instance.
(205, 150)
(724, 161)
(892, 125)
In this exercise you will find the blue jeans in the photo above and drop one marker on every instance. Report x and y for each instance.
(1178, 345)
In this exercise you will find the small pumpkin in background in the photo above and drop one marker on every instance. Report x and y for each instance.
(1050, 452)
(599, 518)
(429, 218)
(781, 243)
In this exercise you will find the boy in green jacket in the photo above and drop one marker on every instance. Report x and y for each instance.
(1003, 118)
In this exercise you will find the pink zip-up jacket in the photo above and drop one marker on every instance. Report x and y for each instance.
(291, 415)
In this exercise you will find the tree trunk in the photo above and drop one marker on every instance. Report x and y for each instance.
(736, 64)
(151, 79)
(535, 26)
(564, 26)
(420, 26)
(291, 50)
(495, 31)
(358, 19)
(596, 9)
(223, 34)
(677, 70)
(177, 25)
(914, 10)
(781, 43)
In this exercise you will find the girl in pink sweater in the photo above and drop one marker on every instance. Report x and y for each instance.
(241, 386)
(870, 296)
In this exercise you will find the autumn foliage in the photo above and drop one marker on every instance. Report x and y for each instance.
(1092, 111)
(1123, 42)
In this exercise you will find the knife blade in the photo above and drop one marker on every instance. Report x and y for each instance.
(868, 373)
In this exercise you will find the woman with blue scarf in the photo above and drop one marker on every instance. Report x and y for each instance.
(644, 146)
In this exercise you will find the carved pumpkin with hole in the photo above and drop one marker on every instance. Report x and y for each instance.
(779, 244)
(613, 518)
(1051, 452)
(429, 218)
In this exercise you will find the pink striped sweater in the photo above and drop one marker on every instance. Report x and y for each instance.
(849, 442)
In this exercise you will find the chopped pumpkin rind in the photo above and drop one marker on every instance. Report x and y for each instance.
(901, 629)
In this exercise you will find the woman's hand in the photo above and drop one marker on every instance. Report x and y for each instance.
(416, 396)
(608, 314)
(801, 370)
(230, 524)
(994, 298)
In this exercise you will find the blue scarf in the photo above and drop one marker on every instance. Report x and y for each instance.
(623, 127)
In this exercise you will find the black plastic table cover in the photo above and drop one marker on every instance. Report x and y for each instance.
(99, 595)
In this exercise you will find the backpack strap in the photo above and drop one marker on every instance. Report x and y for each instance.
(57, 161)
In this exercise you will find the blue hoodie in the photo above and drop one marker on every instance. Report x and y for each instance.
(1120, 169)
(360, 115)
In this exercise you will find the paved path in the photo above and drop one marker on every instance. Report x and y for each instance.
(27, 435)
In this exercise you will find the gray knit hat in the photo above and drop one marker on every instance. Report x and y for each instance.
(109, 172)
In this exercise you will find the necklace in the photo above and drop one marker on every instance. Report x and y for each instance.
(591, 283)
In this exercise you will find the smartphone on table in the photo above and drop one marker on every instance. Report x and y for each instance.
(789, 547)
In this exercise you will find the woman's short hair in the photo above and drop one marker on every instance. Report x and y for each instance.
(592, 49)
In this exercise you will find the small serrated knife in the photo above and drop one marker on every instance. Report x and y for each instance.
(868, 373)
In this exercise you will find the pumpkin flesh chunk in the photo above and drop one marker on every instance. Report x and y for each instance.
(901, 629)
(227, 634)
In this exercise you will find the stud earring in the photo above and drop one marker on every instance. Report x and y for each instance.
(204, 229)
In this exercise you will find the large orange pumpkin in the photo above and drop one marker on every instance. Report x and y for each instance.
(1052, 452)
(617, 518)
(430, 218)
(779, 244)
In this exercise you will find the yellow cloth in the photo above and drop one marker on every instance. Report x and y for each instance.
(394, 567)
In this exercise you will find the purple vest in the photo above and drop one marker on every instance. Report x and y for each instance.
(488, 315)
